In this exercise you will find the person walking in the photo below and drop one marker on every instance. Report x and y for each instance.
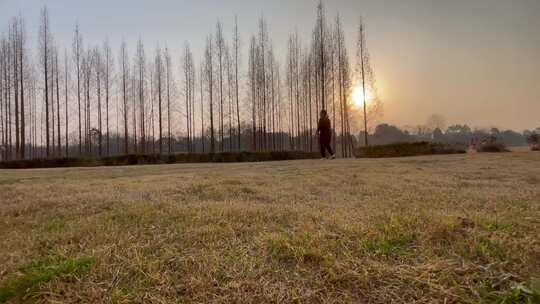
(324, 130)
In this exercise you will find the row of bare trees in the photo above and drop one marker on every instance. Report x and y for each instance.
(86, 104)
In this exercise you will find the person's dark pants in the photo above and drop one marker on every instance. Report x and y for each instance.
(324, 142)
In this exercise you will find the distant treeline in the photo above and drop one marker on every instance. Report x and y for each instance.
(456, 135)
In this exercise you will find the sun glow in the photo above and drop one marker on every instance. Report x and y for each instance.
(358, 96)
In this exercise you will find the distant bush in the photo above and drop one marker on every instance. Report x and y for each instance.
(145, 159)
(492, 148)
(491, 145)
(406, 149)
(534, 141)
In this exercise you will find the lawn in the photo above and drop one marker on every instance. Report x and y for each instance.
(432, 229)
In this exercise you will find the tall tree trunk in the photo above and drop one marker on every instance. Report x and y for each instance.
(78, 66)
(202, 109)
(59, 141)
(363, 82)
(333, 102)
(219, 42)
(53, 105)
(159, 76)
(107, 71)
(168, 67)
(16, 76)
(2, 112)
(124, 89)
(236, 49)
(98, 84)
(210, 71)
(66, 104)
(323, 79)
(46, 79)
(21, 78)
(133, 98)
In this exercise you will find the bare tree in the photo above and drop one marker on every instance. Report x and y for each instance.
(272, 106)
(98, 66)
(32, 81)
(44, 41)
(57, 69)
(263, 34)
(141, 70)
(343, 87)
(290, 85)
(293, 81)
(236, 49)
(21, 39)
(253, 85)
(66, 120)
(14, 37)
(168, 80)
(4, 114)
(107, 83)
(77, 57)
(321, 45)
(209, 71)
(333, 90)
(367, 80)
(189, 85)
(230, 84)
(152, 99)
(220, 49)
(125, 76)
(201, 80)
(7, 58)
(87, 78)
(159, 82)
(53, 105)
(134, 100)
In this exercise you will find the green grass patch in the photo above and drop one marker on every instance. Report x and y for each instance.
(55, 224)
(297, 251)
(406, 149)
(495, 225)
(389, 246)
(519, 294)
(43, 271)
(486, 248)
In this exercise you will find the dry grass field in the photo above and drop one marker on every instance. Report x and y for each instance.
(434, 229)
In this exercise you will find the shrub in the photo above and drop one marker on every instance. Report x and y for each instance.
(492, 148)
(406, 149)
(490, 144)
(140, 159)
(534, 141)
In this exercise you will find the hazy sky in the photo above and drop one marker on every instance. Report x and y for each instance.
(472, 61)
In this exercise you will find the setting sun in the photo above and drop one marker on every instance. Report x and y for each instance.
(358, 96)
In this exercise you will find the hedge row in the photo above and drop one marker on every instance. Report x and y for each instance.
(492, 148)
(406, 149)
(144, 159)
